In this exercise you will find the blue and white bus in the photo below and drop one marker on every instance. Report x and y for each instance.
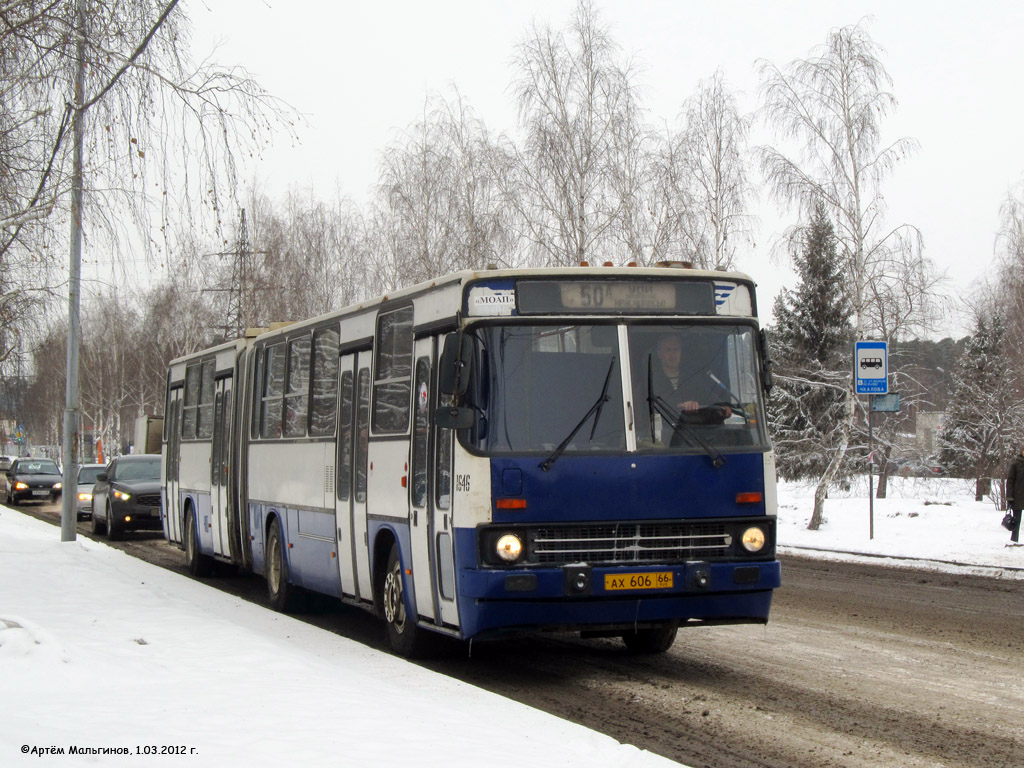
(579, 449)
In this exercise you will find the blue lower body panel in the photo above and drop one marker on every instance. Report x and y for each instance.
(576, 597)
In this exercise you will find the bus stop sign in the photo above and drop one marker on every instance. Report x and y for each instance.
(871, 367)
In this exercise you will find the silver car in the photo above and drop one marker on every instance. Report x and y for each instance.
(86, 479)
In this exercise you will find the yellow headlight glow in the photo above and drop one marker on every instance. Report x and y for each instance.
(509, 548)
(122, 495)
(753, 539)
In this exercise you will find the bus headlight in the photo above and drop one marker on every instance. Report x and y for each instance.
(509, 548)
(753, 539)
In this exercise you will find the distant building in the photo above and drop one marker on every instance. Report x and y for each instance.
(929, 424)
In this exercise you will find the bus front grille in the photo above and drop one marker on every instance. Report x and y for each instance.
(630, 543)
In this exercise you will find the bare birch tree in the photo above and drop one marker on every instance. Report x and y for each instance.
(832, 105)
(578, 110)
(439, 205)
(712, 148)
(1009, 285)
(162, 133)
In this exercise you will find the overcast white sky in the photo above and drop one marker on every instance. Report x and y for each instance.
(360, 72)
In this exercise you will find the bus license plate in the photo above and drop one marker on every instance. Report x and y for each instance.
(657, 580)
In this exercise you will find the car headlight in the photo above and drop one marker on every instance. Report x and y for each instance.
(509, 548)
(20, 486)
(85, 496)
(58, 486)
(122, 495)
(753, 539)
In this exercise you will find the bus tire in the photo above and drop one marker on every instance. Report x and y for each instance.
(651, 640)
(198, 564)
(402, 635)
(281, 594)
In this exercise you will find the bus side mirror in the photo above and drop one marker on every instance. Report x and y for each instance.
(456, 364)
(767, 379)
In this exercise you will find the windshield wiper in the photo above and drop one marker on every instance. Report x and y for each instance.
(595, 410)
(675, 420)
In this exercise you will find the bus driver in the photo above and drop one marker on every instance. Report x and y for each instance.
(667, 379)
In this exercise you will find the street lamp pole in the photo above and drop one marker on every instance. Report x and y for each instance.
(69, 496)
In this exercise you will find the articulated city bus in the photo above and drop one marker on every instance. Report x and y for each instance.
(579, 449)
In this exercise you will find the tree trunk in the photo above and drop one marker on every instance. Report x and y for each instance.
(883, 477)
(845, 429)
(982, 488)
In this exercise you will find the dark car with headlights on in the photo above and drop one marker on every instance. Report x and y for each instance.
(126, 496)
(33, 480)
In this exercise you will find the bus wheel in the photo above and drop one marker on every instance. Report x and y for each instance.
(653, 640)
(198, 564)
(282, 595)
(403, 636)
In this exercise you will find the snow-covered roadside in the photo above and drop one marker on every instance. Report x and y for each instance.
(100, 651)
(930, 523)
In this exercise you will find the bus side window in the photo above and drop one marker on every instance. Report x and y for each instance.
(324, 397)
(273, 391)
(392, 371)
(204, 423)
(257, 385)
(296, 398)
(191, 410)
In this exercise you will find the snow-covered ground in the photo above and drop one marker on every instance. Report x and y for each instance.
(100, 651)
(935, 522)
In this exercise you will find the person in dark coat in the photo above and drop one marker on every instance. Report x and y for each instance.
(1015, 494)
(673, 382)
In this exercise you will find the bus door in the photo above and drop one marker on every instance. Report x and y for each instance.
(219, 465)
(350, 504)
(430, 495)
(442, 532)
(420, 508)
(172, 461)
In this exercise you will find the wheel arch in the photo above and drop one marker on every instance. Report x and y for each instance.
(282, 524)
(385, 539)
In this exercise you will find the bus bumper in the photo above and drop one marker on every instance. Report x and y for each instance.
(578, 597)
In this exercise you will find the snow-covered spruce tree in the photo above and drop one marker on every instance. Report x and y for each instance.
(810, 343)
(984, 416)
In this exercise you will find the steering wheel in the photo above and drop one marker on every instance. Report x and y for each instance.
(735, 409)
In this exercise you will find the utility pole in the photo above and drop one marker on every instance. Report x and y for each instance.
(69, 495)
(240, 289)
(239, 303)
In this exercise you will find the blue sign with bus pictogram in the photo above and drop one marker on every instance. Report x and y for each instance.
(871, 367)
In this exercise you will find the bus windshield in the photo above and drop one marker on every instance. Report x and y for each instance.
(691, 388)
